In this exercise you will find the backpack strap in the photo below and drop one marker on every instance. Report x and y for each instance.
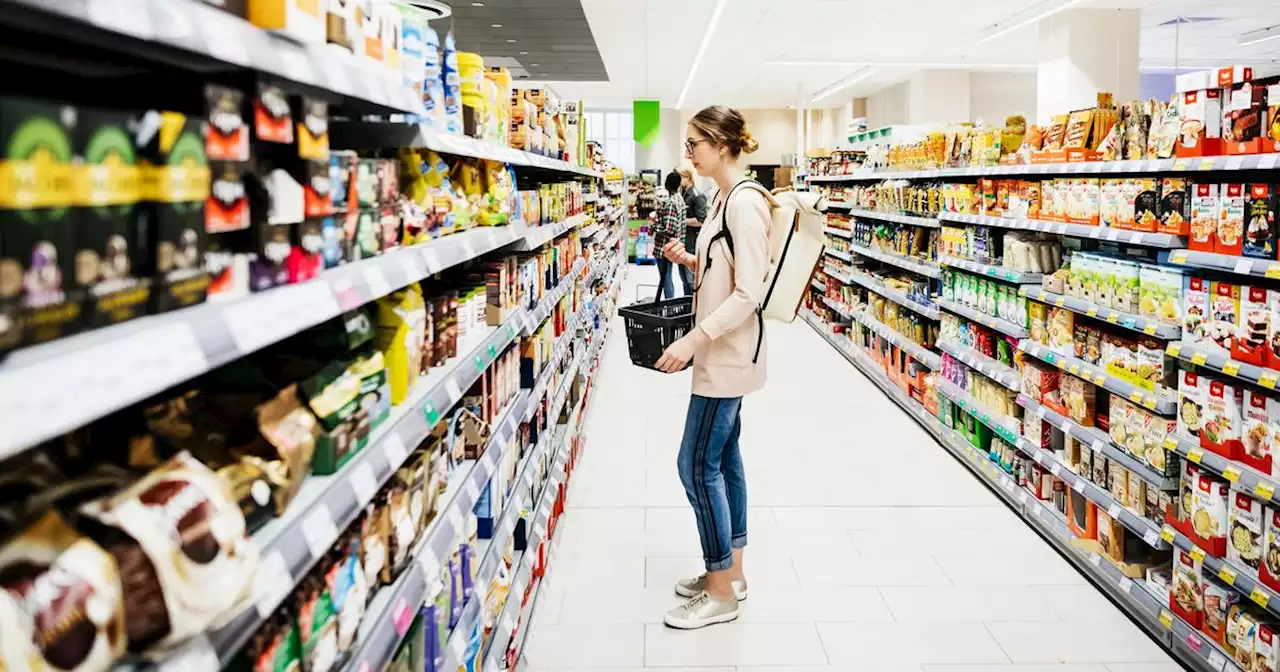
(727, 236)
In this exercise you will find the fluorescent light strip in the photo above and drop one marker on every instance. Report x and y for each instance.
(953, 65)
(843, 84)
(1258, 36)
(1018, 24)
(702, 49)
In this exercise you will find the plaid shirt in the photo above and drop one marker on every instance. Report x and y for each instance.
(670, 220)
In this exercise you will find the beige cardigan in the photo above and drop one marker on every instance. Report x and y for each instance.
(731, 290)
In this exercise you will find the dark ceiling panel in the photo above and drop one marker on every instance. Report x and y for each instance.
(554, 33)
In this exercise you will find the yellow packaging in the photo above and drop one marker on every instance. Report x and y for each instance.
(402, 323)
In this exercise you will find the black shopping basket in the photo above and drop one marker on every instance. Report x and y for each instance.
(651, 327)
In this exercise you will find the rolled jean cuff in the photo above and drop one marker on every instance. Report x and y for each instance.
(719, 565)
(740, 541)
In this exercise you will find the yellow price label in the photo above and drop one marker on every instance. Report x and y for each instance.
(1101, 379)
(1181, 164)
(1207, 163)
(1231, 473)
(1113, 318)
(1195, 455)
(1178, 257)
(1062, 363)
(1149, 329)
(1075, 369)
(1231, 368)
(1227, 575)
(1268, 379)
(1273, 271)
(1199, 358)
(1170, 443)
(1166, 618)
(1135, 396)
(1059, 301)
(1149, 402)
(1197, 553)
(1168, 534)
(1092, 312)
(1174, 349)
(1264, 489)
(1260, 597)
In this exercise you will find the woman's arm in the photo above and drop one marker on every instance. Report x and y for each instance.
(748, 220)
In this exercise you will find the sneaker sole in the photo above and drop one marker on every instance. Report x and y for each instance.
(694, 625)
(685, 592)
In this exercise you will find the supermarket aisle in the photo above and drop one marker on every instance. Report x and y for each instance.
(870, 547)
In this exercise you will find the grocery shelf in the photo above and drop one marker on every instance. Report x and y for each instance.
(326, 505)
(1267, 268)
(539, 236)
(839, 205)
(1161, 240)
(381, 135)
(841, 309)
(591, 231)
(1260, 485)
(1146, 325)
(840, 233)
(539, 313)
(1162, 400)
(817, 285)
(1195, 646)
(924, 268)
(196, 36)
(900, 218)
(839, 255)
(1172, 165)
(102, 371)
(1216, 360)
(1002, 326)
(917, 351)
(836, 275)
(1226, 571)
(1007, 428)
(1099, 441)
(893, 295)
(997, 272)
(393, 608)
(983, 364)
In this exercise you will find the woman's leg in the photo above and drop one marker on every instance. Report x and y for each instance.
(709, 425)
(735, 484)
(665, 287)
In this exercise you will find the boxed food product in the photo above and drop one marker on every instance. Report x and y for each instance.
(1250, 344)
(1186, 597)
(1246, 635)
(1218, 600)
(1269, 568)
(1104, 288)
(1266, 647)
(1039, 382)
(1195, 310)
(1109, 197)
(1126, 286)
(1139, 208)
(1205, 213)
(1261, 420)
(1175, 205)
(1193, 397)
(1078, 397)
(1178, 511)
(1245, 521)
(1260, 221)
(1231, 220)
(1160, 293)
(1082, 515)
(1200, 123)
(1223, 422)
(1244, 109)
(1224, 315)
(1209, 514)
(1061, 331)
(1156, 430)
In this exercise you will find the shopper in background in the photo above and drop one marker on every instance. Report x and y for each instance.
(730, 288)
(668, 224)
(695, 205)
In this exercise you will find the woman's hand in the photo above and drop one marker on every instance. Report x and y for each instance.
(674, 252)
(678, 354)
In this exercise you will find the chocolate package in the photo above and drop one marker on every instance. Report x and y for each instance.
(1260, 221)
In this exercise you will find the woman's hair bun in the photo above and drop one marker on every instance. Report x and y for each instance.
(748, 143)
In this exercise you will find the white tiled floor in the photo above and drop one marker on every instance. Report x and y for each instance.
(871, 548)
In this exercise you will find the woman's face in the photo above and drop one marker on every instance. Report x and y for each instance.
(702, 152)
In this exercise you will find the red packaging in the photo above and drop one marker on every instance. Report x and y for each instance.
(1082, 516)
(1186, 589)
(1268, 569)
(1250, 344)
(1223, 422)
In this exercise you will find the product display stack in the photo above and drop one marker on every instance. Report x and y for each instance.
(278, 397)
(1087, 314)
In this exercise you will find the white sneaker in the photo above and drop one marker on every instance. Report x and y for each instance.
(691, 587)
(702, 611)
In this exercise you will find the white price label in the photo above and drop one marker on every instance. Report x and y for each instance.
(473, 491)
(1126, 584)
(430, 569)
(1095, 559)
(1035, 511)
(271, 584)
(431, 259)
(1097, 445)
(393, 448)
(1113, 235)
(1151, 538)
(1217, 661)
(412, 271)
(451, 389)
(194, 655)
(1243, 265)
(336, 73)
(1038, 456)
(297, 65)
(1055, 469)
(1114, 511)
(377, 281)
(363, 483)
(1234, 162)
(1040, 413)
(122, 16)
(319, 531)
(1067, 427)
(1078, 485)
(175, 25)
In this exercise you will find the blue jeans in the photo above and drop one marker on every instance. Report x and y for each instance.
(711, 470)
(665, 286)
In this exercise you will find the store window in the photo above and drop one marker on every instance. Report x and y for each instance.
(612, 129)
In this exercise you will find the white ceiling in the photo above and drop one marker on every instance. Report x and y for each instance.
(648, 45)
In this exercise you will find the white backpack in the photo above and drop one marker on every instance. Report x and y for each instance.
(796, 246)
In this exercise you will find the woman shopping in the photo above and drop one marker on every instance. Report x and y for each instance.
(728, 353)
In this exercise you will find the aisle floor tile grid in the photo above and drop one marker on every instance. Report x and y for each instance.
(870, 547)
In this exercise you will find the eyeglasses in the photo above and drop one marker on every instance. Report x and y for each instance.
(690, 144)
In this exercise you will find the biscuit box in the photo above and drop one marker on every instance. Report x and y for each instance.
(1261, 417)
(1223, 422)
(1231, 219)
(1269, 568)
